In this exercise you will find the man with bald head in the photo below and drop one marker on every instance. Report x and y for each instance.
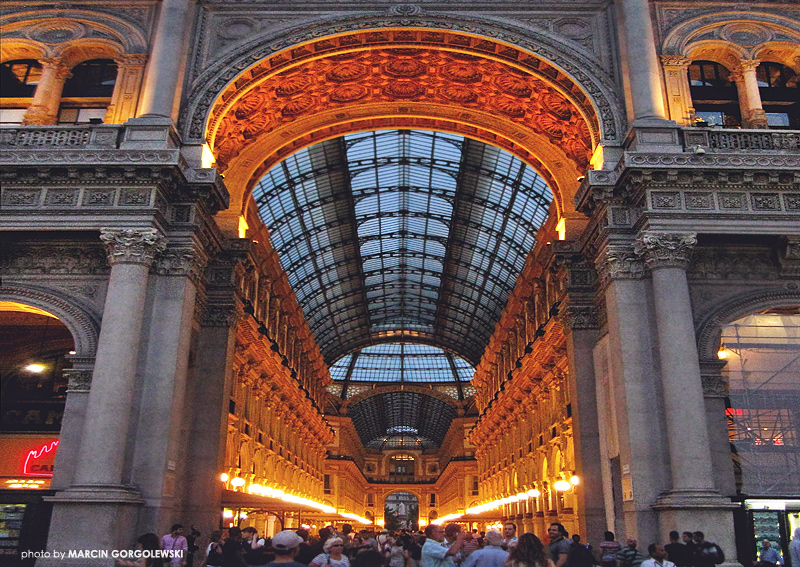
(492, 555)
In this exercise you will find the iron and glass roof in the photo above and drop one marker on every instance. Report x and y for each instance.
(402, 235)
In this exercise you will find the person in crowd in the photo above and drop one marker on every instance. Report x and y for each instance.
(369, 558)
(677, 552)
(308, 552)
(286, 545)
(559, 545)
(491, 555)
(331, 555)
(232, 551)
(450, 533)
(434, 551)
(609, 549)
(395, 553)
(580, 555)
(691, 547)
(707, 554)
(769, 553)
(630, 556)
(414, 549)
(214, 550)
(255, 551)
(509, 536)
(145, 542)
(470, 545)
(529, 552)
(194, 533)
(658, 556)
(176, 541)
(794, 548)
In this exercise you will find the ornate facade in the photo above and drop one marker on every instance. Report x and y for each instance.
(618, 371)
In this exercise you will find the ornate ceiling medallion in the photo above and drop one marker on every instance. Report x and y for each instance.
(403, 89)
(458, 93)
(461, 73)
(514, 86)
(298, 106)
(404, 67)
(348, 72)
(348, 93)
(508, 107)
(292, 85)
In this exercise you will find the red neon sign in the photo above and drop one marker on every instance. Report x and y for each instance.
(32, 468)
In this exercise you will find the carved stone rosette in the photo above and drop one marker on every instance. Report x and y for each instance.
(132, 246)
(617, 262)
(79, 380)
(666, 249)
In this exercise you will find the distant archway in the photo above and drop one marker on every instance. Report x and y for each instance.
(401, 510)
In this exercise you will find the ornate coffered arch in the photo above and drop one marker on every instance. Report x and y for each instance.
(85, 328)
(403, 78)
(380, 390)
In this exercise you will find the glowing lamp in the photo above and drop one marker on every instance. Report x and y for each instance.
(268, 491)
(224, 477)
(254, 489)
(574, 480)
(533, 493)
(237, 481)
(723, 353)
(35, 368)
(513, 498)
(242, 515)
(562, 485)
(422, 522)
(380, 523)
(278, 493)
(522, 496)
(227, 513)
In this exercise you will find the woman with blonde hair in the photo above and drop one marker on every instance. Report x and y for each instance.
(529, 553)
(331, 555)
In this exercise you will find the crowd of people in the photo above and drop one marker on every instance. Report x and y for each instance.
(437, 546)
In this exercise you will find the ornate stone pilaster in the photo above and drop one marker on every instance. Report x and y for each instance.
(188, 262)
(130, 72)
(666, 249)
(618, 262)
(132, 246)
(679, 96)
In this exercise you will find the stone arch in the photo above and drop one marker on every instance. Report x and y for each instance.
(744, 32)
(57, 29)
(783, 52)
(710, 328)
(84, 326)
(379, 390)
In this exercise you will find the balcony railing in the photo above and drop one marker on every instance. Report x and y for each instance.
(68, 137)
(735, 140)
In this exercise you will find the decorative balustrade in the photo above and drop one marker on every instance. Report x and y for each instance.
(734, 140)
(68, 137)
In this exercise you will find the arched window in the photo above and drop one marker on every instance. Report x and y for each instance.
(87, 93)
(780, 95)
(18, 80)
(714, 95)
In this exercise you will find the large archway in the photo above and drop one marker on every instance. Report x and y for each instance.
(403, 78)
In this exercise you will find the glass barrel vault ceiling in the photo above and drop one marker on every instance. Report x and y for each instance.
(405, 244)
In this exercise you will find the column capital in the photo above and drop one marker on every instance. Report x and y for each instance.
(618, 262)
(132, 246)
(79, 380)
(131, 60)
(749, 65)
(666, 249)
(56, 64)
(184, 261)
(675, 61)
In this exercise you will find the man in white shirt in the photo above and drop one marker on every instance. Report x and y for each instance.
(658, 557)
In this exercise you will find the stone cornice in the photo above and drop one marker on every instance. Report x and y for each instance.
(132, 246)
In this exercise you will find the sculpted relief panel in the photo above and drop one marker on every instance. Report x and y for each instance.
(402, 74)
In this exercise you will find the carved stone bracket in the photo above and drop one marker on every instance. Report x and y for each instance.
(619, 262)
(132, 246)
(80, 380)
(666, 249)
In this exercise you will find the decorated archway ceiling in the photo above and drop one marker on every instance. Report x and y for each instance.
(416, 67)
(402, 236)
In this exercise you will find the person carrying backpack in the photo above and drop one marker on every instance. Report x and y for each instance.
(707, 554)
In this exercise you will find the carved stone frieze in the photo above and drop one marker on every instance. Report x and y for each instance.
(714, 386)
(132, 246)
(53, 258)
(790, 257)
(188, 262)
(733, 263)
(578, 317)
(666, 249)
(80, 380)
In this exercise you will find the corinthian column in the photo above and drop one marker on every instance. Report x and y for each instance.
(130, 253)
(644, 71)
(47, 98)
(667, 255)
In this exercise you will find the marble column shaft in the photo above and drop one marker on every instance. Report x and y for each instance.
(130, 253)
(752, 110)
(643, 66)
(164, 69)
(47, 98)
(667, 256)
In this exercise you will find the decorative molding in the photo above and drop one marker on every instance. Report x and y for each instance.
(578, 317)
(789, 257)
(618, 262)
(80, 380)
(732, 263)
(666, 249)
(181, 262)
(132, 246)
(53, 258)
(222, 316)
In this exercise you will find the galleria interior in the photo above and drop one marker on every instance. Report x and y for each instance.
(305, 262)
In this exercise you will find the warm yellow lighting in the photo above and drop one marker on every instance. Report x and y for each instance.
(561, 229)
(35, 368)
(242, 515)
(574, 480)
(522, 496)
(73, 352)
(723, 353)
(380, 523)
(512, 499)
(20, 307)
(242, 228)
(562, 485)
(254, 489)
(237, 481)
(207, 157)
(533, 493)
(277, 492)
(268, 491)
(227, 513)
(422, 522)
(224, 477)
